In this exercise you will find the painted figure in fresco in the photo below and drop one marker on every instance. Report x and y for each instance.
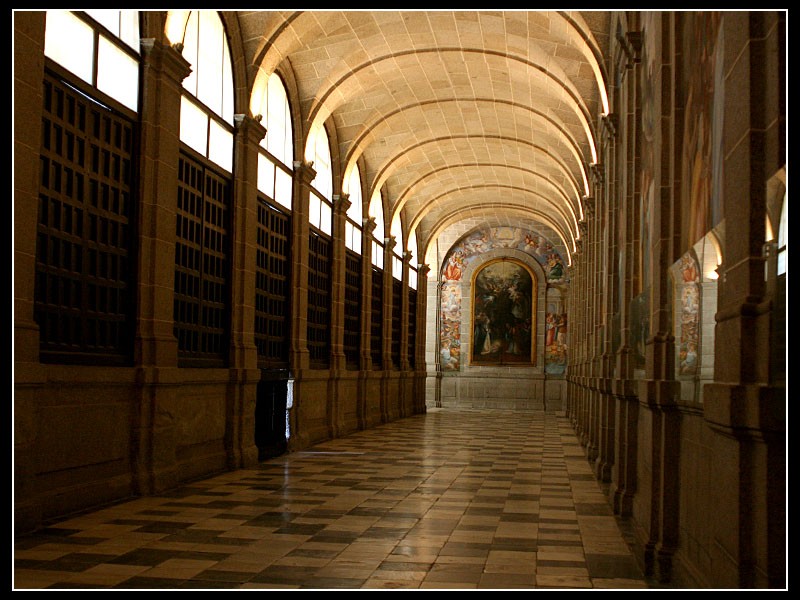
(556, 268)
(502, 309)
(561, 330)
(482, 334)
(452, 271)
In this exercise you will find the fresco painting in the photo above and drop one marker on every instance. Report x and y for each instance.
(503, 314)
(702, 124)
(689, 287)
(459, 259)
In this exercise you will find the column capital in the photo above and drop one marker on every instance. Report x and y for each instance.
(250, 127)
(370, 225)
(423, 270)
(304, 170)
(389, 243)
(169, 56)
(341, 203)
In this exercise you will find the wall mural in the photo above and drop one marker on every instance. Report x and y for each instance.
(459, 258)
(555, 334)
(503, 314)
(639, 309)
(689, 289)
(702, 125)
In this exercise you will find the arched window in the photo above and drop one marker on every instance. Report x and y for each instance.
(83, 302)
(412, 270)
(273, 243)
(353, 270)
(277, 149)
(202, 248)
(318, 150)
(376, 212)
(376, 312)
(207, 103)
(108, 39)
(355, 212)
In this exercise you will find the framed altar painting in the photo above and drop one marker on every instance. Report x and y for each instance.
(504, 314)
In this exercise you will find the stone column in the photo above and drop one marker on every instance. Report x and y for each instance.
(338, 362)
(304, 174)
(745, 410)
(388, 254)
(244, 375)
(659, 391)
(365, 361)
(29, 377)
(156, 349)
(420, 366)
(299, 359)
(341, 204)
(609, 285)
(405, 365)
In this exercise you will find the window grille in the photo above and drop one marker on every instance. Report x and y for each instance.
(352, 308)
(376, 321)
(412, 326)
(82, 299)
(201, 305)
(319, 299)
(273, 272)
(397, 320)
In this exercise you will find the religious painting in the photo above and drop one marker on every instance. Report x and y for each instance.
(503, 313)
(555, 333)
(689, 315)
(702, 125)
(450, 325)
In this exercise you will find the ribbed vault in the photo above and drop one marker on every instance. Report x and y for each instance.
(452, 115)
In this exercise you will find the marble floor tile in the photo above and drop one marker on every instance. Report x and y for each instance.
(448, 500)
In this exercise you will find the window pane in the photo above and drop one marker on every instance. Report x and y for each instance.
(122, 23)
(279, 127)
(377, 255)
(220, 148)
(325, 217)
(313, 210)
(355, 211)
(117, 74)
(129, 28)
(412, 279)
(194, 126)
(376, 211)
(266, 176)
(397, 268)
(283, 188)
(70, 42)
(209, 61)
(227, 83)
(190, 53)
(107, 18)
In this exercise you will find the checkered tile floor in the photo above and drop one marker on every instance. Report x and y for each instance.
(451, 499)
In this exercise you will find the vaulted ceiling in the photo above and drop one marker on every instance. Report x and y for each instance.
(455, 115)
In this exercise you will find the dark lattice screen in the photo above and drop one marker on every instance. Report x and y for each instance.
(376, 322)
(319, 299)
(397, 320)
(83, 300)
(352, 308)
(273, 271)
(201, 306)
(412, 326)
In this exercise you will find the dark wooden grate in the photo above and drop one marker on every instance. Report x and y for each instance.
(352, 308)
(201, 304)
(273, 272)
(84, 246)
(376, 321)
(319, 299)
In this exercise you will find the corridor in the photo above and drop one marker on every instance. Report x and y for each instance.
(451, 499)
